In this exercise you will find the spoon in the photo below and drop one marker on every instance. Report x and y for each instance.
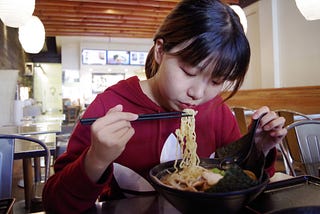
(244, 152)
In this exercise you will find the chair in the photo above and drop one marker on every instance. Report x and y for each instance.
(290, 144)
(71, 111)
(6, 170)
(7, 143)
(241, 116)
(308, 138)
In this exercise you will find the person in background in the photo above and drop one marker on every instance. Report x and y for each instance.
(199, 51)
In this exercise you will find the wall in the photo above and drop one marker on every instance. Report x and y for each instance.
(285, 48)
(299, 47)
(71, 48)
(12, 61)
(11, 52)
(7, 94)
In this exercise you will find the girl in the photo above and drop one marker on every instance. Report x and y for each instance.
(199, 51)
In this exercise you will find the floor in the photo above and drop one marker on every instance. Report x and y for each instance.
(18, 192)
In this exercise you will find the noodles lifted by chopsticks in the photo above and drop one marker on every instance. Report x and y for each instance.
(187, 139)
(189, 175)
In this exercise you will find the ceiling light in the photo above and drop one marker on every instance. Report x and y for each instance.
(32, 35)
(310, 9)
(15, 13)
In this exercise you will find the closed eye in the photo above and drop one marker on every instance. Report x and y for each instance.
(188, 72)
(217, 81)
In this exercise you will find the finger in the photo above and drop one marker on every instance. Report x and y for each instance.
(118, 138)
(113, 117)
(117, 126)
(273, 122)
(279, 133)
(268, 118)
(117, 108)
(125, 134)
(260, 111)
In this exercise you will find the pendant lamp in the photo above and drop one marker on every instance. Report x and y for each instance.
(243, 19)
(32, 35)
(15, 13)
(310, 9)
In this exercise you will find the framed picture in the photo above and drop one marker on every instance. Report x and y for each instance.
(101, 81)
(28, 69)
(118, 57)
(138, 57)
(94, 57)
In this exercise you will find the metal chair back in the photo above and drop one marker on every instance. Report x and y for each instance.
(308, 138)
(7, 157)
(6, 167)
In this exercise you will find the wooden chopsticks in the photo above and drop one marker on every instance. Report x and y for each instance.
(156, 116)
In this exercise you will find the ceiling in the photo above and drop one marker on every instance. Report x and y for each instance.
(104, 18)
(101, 18)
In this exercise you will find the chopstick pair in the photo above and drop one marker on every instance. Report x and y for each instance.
(141, 117)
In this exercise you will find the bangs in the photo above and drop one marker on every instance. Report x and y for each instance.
(227, 61)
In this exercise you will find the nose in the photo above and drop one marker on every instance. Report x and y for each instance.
(197, 90)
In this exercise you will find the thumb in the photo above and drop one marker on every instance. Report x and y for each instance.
(118, 107)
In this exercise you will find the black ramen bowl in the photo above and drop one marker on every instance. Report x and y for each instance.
(204, 202)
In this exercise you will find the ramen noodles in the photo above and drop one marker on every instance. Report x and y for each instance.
(189, 175)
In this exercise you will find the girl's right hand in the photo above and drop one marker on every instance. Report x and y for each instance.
(109, 136)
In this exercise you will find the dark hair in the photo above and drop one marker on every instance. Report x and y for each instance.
(213, 33)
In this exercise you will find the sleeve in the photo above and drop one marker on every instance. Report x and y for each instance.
(70, 190)
(270, 162)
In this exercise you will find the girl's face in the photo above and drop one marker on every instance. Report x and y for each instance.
(178, 86)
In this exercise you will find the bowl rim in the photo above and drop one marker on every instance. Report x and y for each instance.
(154, 181)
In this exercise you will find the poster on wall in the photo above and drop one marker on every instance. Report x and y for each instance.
(138, 57)
(94, 57)
(101, 81)
(118, 57)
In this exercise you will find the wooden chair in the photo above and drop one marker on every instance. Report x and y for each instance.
(243, 119)
(308, 142)
(290, 147)
(7, 143)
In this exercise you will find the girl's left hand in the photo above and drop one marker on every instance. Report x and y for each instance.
(271, 129)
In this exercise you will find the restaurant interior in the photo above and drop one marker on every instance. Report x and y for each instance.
(85, 46)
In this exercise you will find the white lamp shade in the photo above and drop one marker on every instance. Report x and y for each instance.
(242, 16)
(310, 9)
(15, 13)
(32, 35)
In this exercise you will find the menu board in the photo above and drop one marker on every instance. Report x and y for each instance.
(94, 57)
(138, 57)
(118, 57)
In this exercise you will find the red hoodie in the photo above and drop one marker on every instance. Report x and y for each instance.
(70, 190)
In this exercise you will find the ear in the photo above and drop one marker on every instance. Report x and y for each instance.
(158, 50)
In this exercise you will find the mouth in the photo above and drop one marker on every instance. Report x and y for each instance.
(186, 105)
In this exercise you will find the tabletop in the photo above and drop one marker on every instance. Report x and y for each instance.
(280, 194)
(44, 131)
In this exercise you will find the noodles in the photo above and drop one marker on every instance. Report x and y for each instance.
(188, 175)
(187, 139)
